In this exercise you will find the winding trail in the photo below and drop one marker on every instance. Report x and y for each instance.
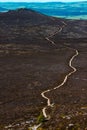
(49, 104)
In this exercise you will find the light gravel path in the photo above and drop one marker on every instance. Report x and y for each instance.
(49, 104)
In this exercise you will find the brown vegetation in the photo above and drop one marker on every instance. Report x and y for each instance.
(29, 64)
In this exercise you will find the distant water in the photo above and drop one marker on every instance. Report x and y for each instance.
(74, 10)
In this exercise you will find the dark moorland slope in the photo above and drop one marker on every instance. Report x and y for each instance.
(26, 26)
(35, 51)
(21, 26)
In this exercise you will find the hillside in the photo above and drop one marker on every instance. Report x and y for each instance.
(37, 54)
(25, 26)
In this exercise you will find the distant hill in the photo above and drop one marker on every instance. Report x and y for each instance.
(73, 10)
(26, 26)
(24, 16)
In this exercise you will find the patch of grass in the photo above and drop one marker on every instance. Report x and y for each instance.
(29, 129)
(1, 127)
(40, 118)
(41, 128)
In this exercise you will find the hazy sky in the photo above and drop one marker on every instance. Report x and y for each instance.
(40, 0)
